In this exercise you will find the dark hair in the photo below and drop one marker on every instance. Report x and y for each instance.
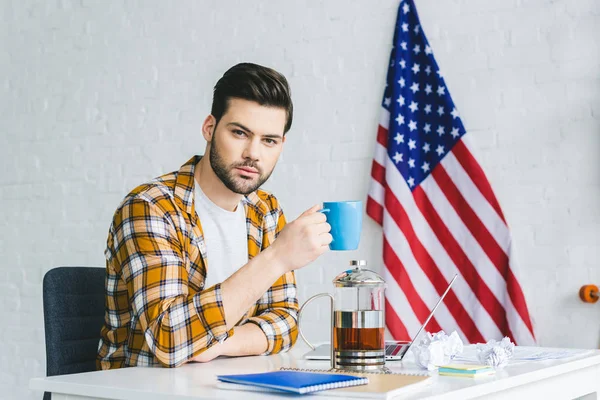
(255, 83)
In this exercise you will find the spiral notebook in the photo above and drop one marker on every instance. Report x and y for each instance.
(379, 386)
(295, 381)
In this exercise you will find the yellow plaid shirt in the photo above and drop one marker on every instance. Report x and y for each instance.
(158, 311)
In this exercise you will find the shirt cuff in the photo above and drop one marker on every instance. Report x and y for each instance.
(209, 305)
(268, 330)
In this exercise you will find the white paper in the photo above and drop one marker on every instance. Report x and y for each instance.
(434, 350)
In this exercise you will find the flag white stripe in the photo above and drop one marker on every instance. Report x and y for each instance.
(420, 281)
(377, 192)
(398, 301)
(380, 155)
(520, 331)
(496, 226)
(479, 204)
(429, 240)
(469, 245)
(384, 118)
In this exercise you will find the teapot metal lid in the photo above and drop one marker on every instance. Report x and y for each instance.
(358, 276)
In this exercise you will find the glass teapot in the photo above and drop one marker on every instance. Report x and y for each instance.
(357, 319)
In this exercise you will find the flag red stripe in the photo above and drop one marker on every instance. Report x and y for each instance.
(382, 136)
(489, 245)
(378, 172)
(394, 324)
(375, 210)
(397, 212)
(462, 262)
(475, 172)
(397, 270)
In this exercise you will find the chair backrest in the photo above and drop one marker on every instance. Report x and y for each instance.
(73, 316)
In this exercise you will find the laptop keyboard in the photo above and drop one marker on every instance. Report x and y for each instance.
(393, 349)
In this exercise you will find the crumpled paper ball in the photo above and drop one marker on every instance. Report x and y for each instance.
(494, 353)
(434, 350)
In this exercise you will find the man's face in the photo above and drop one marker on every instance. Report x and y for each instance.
(246, 144)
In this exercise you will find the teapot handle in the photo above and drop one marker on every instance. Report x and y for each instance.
(331, 299)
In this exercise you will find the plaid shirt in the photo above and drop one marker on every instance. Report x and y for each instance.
(158, 311)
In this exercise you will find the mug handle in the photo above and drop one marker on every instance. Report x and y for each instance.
(331, 300)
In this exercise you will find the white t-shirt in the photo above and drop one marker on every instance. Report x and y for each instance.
(225, 236)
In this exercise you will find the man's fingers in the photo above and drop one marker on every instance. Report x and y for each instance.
(315, 218)
(312, 210)
(326, 239)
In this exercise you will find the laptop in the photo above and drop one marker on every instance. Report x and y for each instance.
(394, 350)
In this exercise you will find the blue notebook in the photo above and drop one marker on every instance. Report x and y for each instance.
(295, 381)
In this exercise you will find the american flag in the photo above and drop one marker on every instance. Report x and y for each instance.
(438, 211)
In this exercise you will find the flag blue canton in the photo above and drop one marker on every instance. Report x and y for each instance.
(424, 123)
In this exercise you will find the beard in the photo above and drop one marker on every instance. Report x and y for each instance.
(226, 173)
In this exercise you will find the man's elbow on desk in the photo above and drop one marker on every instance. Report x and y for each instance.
(247, 340)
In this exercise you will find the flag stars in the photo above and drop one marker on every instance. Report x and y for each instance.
(400, 119)
(441, 130)
(426, 148)
(425, 167)
(411, 181)
(455, 133)
(454, 113)
(416, 29)
(428, 89)
(417, 49)
(400, 101)
(405, 27)
(402, 82)
(399, 138)
(405, 8)
(387, 101)
(439, 150)
(411, 163)
(412, 125)
(427, 128)
(413, 106)
(428, 51)
(428, 70)
(416, 68)
(402, 63)
(412, 144)
(403, 46)
(441, 90)
(398, 157)
(427, 108)
(414, 87)
(440, 110)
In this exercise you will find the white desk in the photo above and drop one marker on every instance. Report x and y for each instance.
(557, 379)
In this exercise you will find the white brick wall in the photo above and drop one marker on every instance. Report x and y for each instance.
(99, 96)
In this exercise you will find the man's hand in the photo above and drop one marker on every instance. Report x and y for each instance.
(303, 240)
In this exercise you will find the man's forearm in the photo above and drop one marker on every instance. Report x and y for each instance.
(241, 290)
(247, 340)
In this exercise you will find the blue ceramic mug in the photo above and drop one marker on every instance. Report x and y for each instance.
(345, 218)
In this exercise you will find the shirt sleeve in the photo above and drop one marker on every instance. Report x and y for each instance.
(277, 310)
(177, 323)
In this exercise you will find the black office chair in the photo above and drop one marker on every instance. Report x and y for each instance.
(73, 317)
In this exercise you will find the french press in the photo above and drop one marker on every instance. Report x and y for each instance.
(357, 319)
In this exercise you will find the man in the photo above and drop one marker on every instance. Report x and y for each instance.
(200, 261)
